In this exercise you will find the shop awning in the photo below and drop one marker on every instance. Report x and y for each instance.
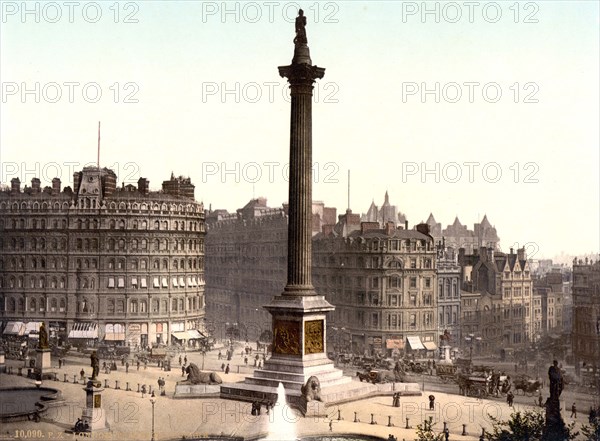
(195, 334)
(84, 330)
(430, 345)
(394, 344)
(14, 328)
(415, 342)
(32, 327)
(180, 335)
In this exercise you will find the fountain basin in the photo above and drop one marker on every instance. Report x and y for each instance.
(26, 403)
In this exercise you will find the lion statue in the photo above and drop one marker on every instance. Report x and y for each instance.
(312, 389)
(196, 376)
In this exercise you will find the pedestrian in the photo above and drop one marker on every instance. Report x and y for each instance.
(246, 361)
(260, 364)
(446, 434)
(330, 425)
(592, 415)
(431, 402)
(255, 362)
(540, 399)
(509, 398)
(222, 367)
(82, 373)
(573, 411)
(183, 371)
(258, 406)
(145, 364)
(138, 365)
(143, 390)
(185, 360)
(180, 360)
(227, 369)
(126, 367)
(219, 355)
(59, 363)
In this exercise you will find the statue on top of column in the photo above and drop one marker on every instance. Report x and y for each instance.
(300, 29)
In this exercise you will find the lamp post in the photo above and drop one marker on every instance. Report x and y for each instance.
(470, 338)
(153, 400)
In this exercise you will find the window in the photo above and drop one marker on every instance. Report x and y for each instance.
(413, 263)
(111, 282)
(427, 282)
(413, 282)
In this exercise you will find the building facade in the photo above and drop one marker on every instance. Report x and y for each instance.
(449, 295)
(246, 265)
(382, 282)
(504, 310)
(100, 263)
(586, 318)
(458, 236)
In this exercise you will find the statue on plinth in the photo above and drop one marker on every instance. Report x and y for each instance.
(300, 29)
(554, 429)
(43, 339)
(95, 364)
(556, 380)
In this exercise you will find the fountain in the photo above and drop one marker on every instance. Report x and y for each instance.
(280, 426)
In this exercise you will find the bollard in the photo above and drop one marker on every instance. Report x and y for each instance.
(128, 388)
(356, 420)
(372, 420)
(74, 379)
(66, 378)
(139, 388)
(464, 432)
(390, 421)
(339, 414)
(407, 426)
(117, 384)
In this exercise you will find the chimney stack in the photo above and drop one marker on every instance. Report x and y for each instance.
(406, 225)
(521, 254)
(15, 185)
(55, 186)
(389, 228)
(35, 185)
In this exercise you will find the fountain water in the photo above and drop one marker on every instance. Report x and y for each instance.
(281, 426)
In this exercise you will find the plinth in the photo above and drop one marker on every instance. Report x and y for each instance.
(554, 429)
(93, 416)
(43, 363)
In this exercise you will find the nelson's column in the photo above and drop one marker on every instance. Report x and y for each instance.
(299, 314)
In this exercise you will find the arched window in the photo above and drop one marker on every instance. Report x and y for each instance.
(32, 305)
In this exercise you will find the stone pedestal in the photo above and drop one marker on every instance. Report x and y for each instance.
(43, 364)
(554, 429)
(93, 415)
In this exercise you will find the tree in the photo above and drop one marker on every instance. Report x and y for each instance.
(425, 432)
(522, 426)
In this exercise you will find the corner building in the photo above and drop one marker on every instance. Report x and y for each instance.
(100, 263)
(382, 282)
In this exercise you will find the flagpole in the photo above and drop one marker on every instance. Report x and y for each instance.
(98, 162)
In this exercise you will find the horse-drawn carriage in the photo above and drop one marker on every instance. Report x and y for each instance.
(474, 385)
(526, 385)
(446, 372)
(380, 376)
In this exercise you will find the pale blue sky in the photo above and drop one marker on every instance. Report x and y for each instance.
(177, 52)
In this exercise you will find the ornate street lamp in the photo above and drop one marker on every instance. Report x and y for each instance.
(153, 400)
